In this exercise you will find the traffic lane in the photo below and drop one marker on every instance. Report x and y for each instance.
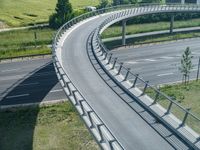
(36, 84)
(114, 112)
(158, 66)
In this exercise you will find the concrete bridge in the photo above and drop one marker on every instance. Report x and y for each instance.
(118, 113)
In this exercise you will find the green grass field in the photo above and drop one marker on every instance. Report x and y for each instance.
(187, 96)
(48, 127)
(114, 30)
(25, 12)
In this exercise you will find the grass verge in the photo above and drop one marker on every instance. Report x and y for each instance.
(116, 30)
(23, 12)
(153, 39)
(48, 127)
(24, 52)
(187, 96)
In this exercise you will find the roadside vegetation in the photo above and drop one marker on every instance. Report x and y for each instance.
(25, 42)
(187, 96)
(33, 11)
(116, 30)
(48, 127)
(153, 39)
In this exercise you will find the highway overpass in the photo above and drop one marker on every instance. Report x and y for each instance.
(114, 113)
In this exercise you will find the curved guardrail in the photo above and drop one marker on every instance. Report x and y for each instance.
(100, 131)
(105, 58)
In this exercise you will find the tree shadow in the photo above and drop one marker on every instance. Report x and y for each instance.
(17, 125)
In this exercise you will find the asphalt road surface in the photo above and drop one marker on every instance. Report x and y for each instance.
(160, 63)
(29, 81)
(124, 122)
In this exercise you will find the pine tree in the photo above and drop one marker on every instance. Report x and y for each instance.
(186, 65)
(64, 12)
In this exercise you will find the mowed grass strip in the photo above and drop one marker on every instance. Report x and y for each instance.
(187, 96)
(27, 12)
(42, 128)
(20, 39)
(116, 30)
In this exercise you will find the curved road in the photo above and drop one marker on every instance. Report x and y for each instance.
(125, 124)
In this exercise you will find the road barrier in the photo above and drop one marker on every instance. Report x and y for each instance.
(100, 131)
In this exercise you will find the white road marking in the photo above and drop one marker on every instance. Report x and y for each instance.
(9, 70)
(167, 57)
(14, 96)
(53, 91)
(165, 74)
(35, 83)
(152, 60)
(131, 62)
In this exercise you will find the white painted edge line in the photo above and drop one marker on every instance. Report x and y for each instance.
(58, 90)
(14, 96)
(10, 70)
(165, 74)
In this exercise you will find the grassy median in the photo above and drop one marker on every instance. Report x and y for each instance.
(187, 96)
(41, 128)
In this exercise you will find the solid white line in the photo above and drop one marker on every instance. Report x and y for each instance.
(34, 83)
(9, 70)
(131, 62)
(53, 91)
(165, 74)
(14, 96)
(166, 57)
(150, 60)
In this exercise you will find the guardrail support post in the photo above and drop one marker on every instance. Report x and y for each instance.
(105, 56)
(120, 68)
(146, 85)
(172, 24)
(73, 93)
(128, 71)
(124, 32)
(82, 107)
(182, 1)
(110, 58)
(169, 108)
(185, 117)
(135, 81)
(100, 132)
(90, 118)
(114, 63)
(157, 96)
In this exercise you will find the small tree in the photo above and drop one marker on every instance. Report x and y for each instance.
(186, 65)
(64, 12)
(103, 4)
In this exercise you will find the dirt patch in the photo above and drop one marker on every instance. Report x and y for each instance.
(3, 25)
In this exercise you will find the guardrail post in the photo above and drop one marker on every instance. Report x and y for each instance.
(100, 132)
(90, 118)
(185, 117)
(146, 85)
(120, 68)
(73, 93)
(105, 56)
(110, 58)
(135, 81)
(81, 105)
(67, 84)
(114, 63)
(157, 96)
(169, 108)
(127, 73)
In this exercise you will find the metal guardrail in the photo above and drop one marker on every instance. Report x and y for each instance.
(128, 74)
(102, 134)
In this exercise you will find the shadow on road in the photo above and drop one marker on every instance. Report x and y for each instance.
(17, 125)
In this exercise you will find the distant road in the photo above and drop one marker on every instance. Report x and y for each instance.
(29, 82)
(152, 33)
(159, 63)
